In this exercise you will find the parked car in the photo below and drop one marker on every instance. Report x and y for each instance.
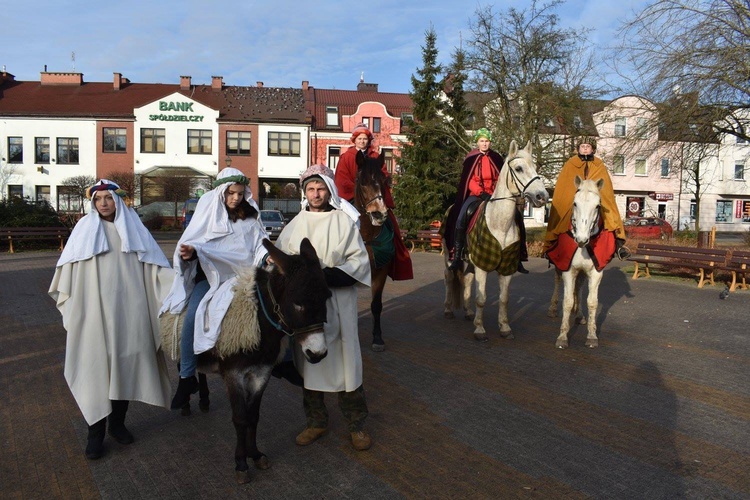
(188, 209)
(273, 221)
(647, 228)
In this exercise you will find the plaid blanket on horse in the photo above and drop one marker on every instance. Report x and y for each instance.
(485, 251)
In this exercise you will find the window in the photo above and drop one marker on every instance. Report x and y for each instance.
(199, 142)
(376, 125)
(723, 211)
(620, 129)
(548, 122)
(67, 150)
(283, 143)
(238, 143)
(43, 194)
(640, 166)
(642, 127)
(152, 140)
(114, 140)
(577, 122)
(388, 155)
(618, 165)
(692, 209)
(739, 172)
(332, 116)
(366, 122)
(41, 152)
(68, 199)
(333, 157)
(15, 149)
(15, 191)
(405, 117)
(665, 167)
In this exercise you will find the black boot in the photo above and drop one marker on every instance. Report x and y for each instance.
(457, 264)
(185, 388)
(94, 446)
(522, 269)
(117, 428)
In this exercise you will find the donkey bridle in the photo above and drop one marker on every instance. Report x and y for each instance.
(281, 324)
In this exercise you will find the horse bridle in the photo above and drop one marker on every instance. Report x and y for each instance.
(520, 187)
(594, 229)
(281, 324)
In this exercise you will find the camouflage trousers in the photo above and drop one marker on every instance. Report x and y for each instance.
(352, 404)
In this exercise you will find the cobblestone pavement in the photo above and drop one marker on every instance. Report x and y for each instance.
(660, 410)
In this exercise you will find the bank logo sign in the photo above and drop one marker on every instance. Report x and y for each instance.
(175, 112)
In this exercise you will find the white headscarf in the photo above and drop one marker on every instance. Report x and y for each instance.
(325, 174)
(210, 220)
(88, 238)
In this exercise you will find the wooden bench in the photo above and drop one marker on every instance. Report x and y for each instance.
(704, 260)
(429, 238)
(737, 265)
(39, 233)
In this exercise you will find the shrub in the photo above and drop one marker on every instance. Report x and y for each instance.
(18, 212)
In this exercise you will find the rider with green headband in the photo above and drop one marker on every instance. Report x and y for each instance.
(481, 169)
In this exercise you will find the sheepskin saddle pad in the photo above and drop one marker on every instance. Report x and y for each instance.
(240, 330)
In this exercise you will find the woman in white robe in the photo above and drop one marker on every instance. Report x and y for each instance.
(107, 288)
(224, 238)
(328, 222)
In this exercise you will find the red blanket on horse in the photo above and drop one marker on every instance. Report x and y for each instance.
(601, 249)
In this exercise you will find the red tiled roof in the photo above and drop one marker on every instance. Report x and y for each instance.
(100, 100)
(348, 100)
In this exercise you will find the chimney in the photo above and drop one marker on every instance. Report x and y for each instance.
(305, 84)
(61, 78)
(217, 82)
(185, 82)
(367, 87)
(5, 76)
(259, 84)
(117, 80)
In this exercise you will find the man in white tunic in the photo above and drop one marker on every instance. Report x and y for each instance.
(329, 223)
(107, 288)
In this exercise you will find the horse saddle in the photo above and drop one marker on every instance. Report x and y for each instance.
(601, 249)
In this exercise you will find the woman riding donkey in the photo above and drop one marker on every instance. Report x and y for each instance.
(223, 239)
(481, 169)
(346, 180)
(107, 286)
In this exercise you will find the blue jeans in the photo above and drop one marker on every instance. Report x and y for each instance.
(187, 351)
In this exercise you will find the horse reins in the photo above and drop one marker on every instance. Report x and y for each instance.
(281, 325)
(516, 183)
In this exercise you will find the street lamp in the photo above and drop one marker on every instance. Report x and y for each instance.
(228, 161)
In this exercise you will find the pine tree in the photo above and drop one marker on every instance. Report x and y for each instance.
(430, 162)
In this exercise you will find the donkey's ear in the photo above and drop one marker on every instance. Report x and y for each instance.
(280, 259)
(307, 250)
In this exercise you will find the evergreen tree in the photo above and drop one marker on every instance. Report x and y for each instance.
(430, 161)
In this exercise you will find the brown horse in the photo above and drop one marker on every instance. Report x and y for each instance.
(376, 233)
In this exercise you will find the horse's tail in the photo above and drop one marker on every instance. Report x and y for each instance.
(456, 289)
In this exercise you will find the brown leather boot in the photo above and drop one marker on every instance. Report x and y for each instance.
(310, 435)
(361, 440)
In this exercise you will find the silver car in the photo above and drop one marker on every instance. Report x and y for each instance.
(273, 221)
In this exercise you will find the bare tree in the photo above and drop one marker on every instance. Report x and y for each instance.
(79, 184)
(7, 171)
(534, 76)
(128, 182)
(700, 46)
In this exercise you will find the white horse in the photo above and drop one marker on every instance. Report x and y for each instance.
(518, 179)
(585, 226)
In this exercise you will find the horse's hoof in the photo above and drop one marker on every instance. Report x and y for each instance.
(185, 410)
(469, 317)
(507, 335)
(581, 321)
(262, 463)
(203, 404)
(481, 337)
(242, 476)
(592, 343)
(378, 347)
(449, 315)
(561, 344)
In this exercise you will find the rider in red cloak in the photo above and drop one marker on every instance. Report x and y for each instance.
(345, 179)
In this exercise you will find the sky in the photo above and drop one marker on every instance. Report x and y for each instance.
(329, 43)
